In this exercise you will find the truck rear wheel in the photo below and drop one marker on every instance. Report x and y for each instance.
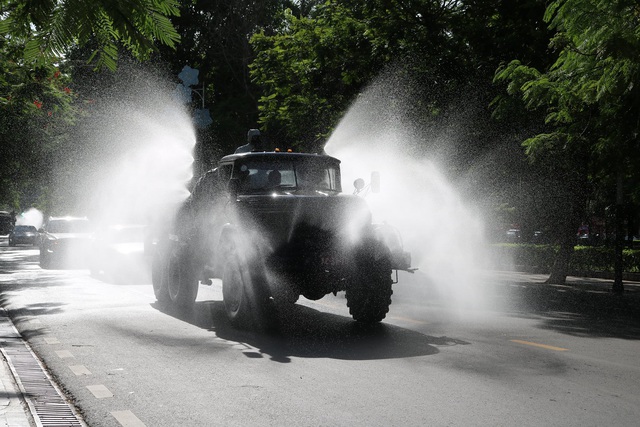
(369, 293)
(157, 273)
(45, 260)
(179, 279)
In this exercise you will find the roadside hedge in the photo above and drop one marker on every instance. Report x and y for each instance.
(539, 258)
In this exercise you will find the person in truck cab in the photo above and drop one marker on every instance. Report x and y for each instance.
(254, 142)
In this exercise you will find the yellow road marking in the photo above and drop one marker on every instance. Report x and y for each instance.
(548, 347)
(406, 319)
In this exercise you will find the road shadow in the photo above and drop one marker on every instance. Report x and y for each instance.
(584, 309)
(17, 259)
(304, 332)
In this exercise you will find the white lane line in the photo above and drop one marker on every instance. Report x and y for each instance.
(64, 354)
(127, 419)
(99, 391)
(80, 370)
(52, 340)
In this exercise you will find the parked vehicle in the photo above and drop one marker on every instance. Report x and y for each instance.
(117, 253)
(64, 241)
(513, 235)
(23, 235)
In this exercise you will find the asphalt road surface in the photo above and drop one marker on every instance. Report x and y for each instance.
(508, 352)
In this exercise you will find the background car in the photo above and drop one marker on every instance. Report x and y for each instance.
(513, 235)
(65, 241)
(117, 253)
(23, 235)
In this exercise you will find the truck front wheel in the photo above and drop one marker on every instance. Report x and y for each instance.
(243, 293)
(369, 293)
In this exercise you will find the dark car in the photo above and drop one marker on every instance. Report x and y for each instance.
(117, 253)
(513, 235)
(64, 241)
(23, 235)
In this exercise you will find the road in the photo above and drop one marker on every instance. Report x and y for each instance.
(530, 355)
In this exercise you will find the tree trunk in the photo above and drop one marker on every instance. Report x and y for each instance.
(618, 286)
(568, 227)
(560, 268)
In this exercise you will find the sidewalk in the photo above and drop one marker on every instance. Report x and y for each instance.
(14, 411)
(29, 396)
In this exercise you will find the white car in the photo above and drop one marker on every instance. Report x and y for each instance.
(64, 241)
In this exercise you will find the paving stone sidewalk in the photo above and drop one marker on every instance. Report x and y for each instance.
(14, 412)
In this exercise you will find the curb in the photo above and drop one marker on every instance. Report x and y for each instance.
(42, 404)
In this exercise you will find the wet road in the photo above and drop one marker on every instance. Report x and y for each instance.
(530, 355)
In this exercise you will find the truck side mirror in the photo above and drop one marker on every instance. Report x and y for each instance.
(358, 184)
(375, 182)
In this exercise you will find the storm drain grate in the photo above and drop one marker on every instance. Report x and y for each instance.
(45, 401)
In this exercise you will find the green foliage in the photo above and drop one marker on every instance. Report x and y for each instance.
(584, 259)
(310, 72)
(590, 94)
(591, 103)
(49, 27)
(35, 114)
(313, 67)
(215, 40)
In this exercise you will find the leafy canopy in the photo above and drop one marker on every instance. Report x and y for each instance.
(590, 94)
(49, 27)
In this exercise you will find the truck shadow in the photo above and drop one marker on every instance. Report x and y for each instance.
(304, 332)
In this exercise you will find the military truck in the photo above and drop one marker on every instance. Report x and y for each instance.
(274, 226)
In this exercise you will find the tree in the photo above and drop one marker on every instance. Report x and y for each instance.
(591, 99)
(49, 27)
(35, 114)
(215, 40)
(36, 98)
(312, 67)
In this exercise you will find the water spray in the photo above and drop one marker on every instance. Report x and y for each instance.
(440, 229)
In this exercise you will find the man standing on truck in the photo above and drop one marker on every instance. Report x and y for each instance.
(254, 142)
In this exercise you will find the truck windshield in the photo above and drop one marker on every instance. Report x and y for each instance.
(289, 175)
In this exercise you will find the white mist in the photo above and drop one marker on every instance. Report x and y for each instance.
(440, 229)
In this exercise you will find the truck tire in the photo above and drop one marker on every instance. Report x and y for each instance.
(45, 261)
(178, 277)
(157, 271)
(369, 292)
(242, 292)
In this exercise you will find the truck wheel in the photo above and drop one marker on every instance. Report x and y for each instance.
(369, 293)
(45, 261)
(178, 278)
(243, 294)
(159, 285)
